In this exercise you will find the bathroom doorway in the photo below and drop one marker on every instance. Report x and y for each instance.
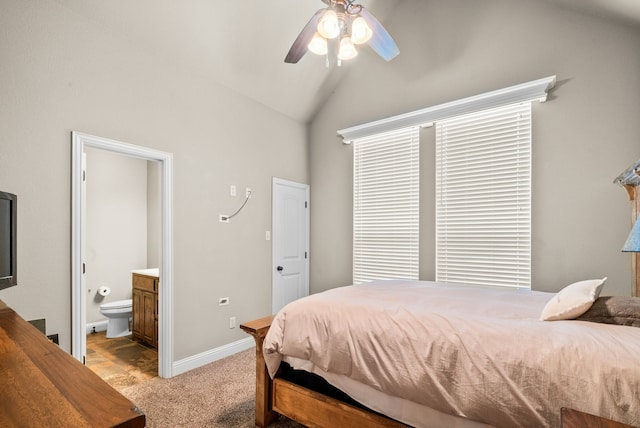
(122, 224)
(88, 293)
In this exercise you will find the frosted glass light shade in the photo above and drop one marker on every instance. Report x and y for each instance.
(328, 27)
(360, 31)
(633, 240)
(347, 49)
(318, 45)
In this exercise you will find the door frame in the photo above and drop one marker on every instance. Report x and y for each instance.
(274, 235)
(79, 141)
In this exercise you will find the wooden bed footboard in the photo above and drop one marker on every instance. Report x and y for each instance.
(575, 419)
(264, 409)
(310, 408)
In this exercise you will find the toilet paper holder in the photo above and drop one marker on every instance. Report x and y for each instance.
(104, 290)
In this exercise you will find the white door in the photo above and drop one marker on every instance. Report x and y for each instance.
(290, 242)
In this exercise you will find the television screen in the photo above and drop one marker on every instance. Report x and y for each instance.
(8, 229)
(5, 238)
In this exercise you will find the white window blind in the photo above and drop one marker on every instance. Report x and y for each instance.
(386, 206)
(483, 197)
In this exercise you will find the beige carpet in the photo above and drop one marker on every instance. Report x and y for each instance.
(220, 394)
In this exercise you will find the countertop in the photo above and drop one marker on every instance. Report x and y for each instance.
(155, 272)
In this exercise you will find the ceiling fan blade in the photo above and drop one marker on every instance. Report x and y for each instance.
(299, 47)
(381, 41)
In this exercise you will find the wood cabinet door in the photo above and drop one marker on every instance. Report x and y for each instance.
(149, 320)
(145, 309)
(137, 313)
(155, 330)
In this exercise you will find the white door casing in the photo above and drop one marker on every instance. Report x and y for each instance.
(83, 279)
(78, 302)
(290, 242)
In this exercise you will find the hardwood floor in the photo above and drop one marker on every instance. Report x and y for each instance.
(121, 362)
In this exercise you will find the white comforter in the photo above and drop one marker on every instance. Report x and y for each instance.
(473, 352)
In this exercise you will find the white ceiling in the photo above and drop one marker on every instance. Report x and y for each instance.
(242, 44)
(623, 10)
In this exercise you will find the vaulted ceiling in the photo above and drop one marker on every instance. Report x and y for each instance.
(242, 44)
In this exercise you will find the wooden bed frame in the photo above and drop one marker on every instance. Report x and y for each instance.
(310, 408)
(281, 397)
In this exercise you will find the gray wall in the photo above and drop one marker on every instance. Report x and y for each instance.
(61, 72)
(116, 225)
(582, 138)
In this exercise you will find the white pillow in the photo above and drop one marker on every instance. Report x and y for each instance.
(573, 300)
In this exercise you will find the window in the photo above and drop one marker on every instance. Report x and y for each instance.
(386, 206)
(483, 197)
(483, 212)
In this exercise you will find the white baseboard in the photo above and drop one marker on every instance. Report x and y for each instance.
(197, 360)
(99, 325)
(210, 356)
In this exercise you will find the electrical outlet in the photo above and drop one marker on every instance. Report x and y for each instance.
(247, 193)
(232, 190)
(232, 322)
(223, 301)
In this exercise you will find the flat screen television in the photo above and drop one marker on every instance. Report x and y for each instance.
(8, 240)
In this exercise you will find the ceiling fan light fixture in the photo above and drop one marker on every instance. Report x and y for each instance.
(329, 27)
(318, 45)
(360, 31)
(347, 49)
(335, 30)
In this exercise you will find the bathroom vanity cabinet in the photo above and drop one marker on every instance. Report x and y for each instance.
(145, 286)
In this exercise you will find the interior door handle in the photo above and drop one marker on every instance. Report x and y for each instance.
(279, 268)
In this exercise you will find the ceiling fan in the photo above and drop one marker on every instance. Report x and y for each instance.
(336, 30)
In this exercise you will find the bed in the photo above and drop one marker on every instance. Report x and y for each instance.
(425, 354)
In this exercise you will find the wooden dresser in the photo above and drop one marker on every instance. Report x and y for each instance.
(43, 386)
(145, 285)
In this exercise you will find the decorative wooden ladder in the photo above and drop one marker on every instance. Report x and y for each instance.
(630, 180)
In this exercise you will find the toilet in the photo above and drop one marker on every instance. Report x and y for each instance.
(118, 314)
